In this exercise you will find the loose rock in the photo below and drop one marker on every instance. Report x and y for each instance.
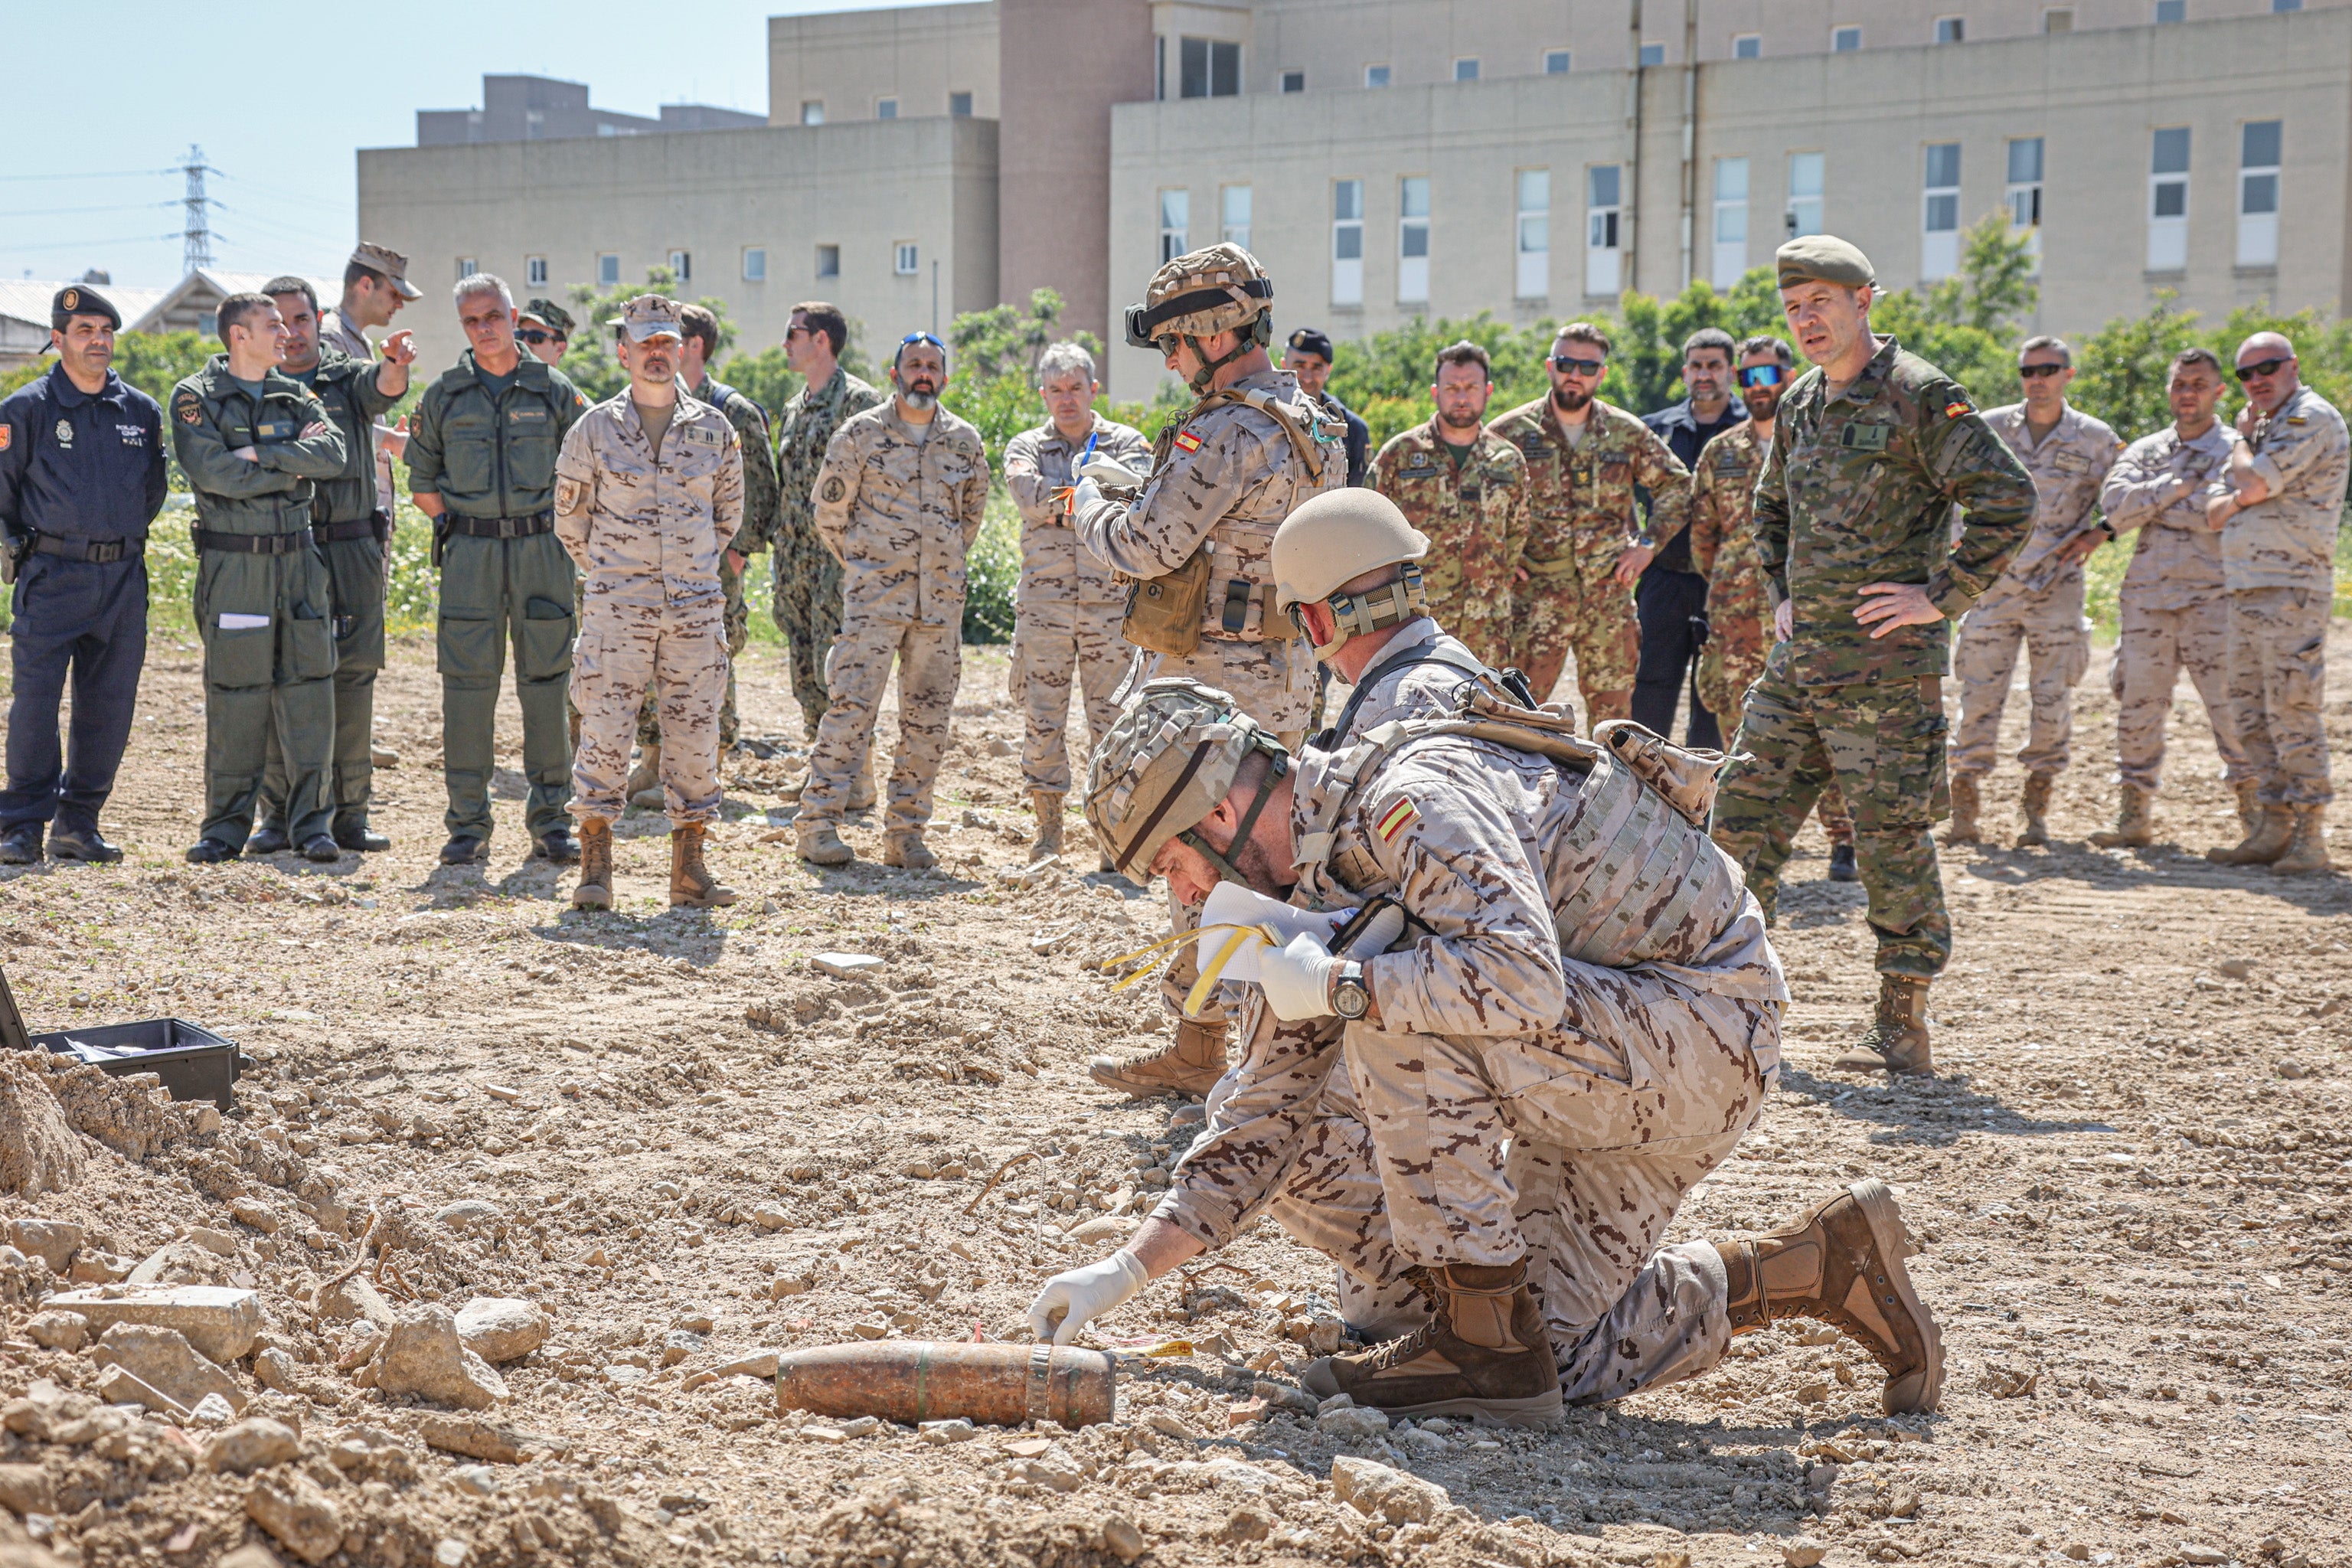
(297, 1514)
(251, 1446)
(500, 1328)
(1374, 1489)
(421, 1353)
(164, 1361)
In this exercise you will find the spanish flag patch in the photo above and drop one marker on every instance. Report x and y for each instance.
(1954, 410)
(1392, 820)
(1188, 441)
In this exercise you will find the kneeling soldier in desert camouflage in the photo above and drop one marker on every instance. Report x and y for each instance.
(1489, 1128)
(648, 491)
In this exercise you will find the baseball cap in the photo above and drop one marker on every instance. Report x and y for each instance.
(391, 263)
(650, 316)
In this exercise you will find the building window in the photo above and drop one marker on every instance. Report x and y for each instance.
(1654, 54)
(1412, 240)
(1294, 82)
(2024, 191)
(2172, 10)
(1346, 242)
(828, 261)
(755, 265)
(1210, 68)
(1804, 215)
(1602, 189)
(1844, 40)
(1747, 46)
(534, 271)
(2167, 200)
(1466, 70)
(886, 109)
(468, 267)
(1234, 215)
(1175, 225)
(908, 260)
(1730, 259)
(1939, 212)
(681, 267)
(1160, 67)
(960, 105)
(813, 111)
(2283, 5)
(1951, 29)
(2058, 21)
(608, 271)
(1534, 281)
(2258, 192)
(1556, 62)
(1376, 76)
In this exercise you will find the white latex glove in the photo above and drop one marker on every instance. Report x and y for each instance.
(1297, 979)
(1111, 472)
(1086, 494)
(1230, 904)
(1082, 1295)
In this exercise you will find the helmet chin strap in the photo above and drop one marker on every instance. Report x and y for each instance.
(1252, 334)
(1376, 609)
(1225, 869)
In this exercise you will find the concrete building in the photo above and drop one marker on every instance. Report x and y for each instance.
(540, 108)
(1388, 158)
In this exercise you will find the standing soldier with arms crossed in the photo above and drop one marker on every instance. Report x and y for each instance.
(481, 465)
(1871, 449)
(1068, 609)
(2038, 600)
(1197, 544)
(1585, 548)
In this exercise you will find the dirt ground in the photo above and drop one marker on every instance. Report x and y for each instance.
(2130, 1185)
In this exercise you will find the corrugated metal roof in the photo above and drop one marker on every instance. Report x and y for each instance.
(27, 298)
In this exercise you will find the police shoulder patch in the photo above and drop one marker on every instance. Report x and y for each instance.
(7, 435)
(1393, 820)
(1188, 441)
(187, 408)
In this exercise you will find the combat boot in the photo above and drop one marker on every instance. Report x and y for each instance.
(2306, 854)
(2265, 841)
(1897, 1040)
(2135, 822)
(595, 890)
(907, 851)
(2034, 805)
(821, 845)
(644, 789)
(1190, 1064)
(691, 885)
(1843, 1265)
(1842, 863)
(1963, 829)
(1483, 1353)
(2250, 805)
(1049, 824)
(21, 844)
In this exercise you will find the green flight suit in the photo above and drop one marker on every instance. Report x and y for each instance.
(270, 670)
(489, 453)
(352, 531)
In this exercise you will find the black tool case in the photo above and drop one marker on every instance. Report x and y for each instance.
(194, 1062)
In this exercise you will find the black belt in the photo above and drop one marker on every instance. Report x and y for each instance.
(339, 532)
(500, 527)
(252, 544)
(99, 552)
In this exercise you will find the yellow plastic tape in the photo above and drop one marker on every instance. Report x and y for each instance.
(1198, 997)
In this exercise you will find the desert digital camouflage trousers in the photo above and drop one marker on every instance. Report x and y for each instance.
(807, 608)
(2057, 641)
(931, 667)
(2278, 676)
(682, 654)
(738, 633)
(1575, 1149)
(1596, 622)
(2152, 649)
(1049, 641)
(1882, 741)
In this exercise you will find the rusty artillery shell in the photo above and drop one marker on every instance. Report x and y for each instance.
(918, 1379)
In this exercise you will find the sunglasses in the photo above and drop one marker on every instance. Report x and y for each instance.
(2033, 372)
(922, 337)
(2264, 367)
(542, 337)
(1761, 375)
(1569, 364)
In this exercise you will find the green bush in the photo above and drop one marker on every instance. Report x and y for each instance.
(992, 573)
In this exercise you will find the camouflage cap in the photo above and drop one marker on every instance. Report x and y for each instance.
(1201, 293)
(549, 314)
(1170, 757)
(390, 263)
(651, 316)
(1823, 258)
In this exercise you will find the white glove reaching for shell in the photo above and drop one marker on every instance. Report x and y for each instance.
(1075, 1298)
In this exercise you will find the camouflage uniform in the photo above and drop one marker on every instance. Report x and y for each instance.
(2038, 601)
(2173, 608)
(806, 575)
(899, 506)
(1857, 488)
(646, 532)
(2278, 558)
(1518, 1096)
(1723, 551)
(1474, 512)
(1068, 609)
(1581, 517)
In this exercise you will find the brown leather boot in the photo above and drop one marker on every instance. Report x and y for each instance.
(1897, 1040)
(907, 851)
(2135, 822)
(1048, 804)
(2306, 854)
(691, 885)
(1484, 1353)
(1189, 1064)
(2250, 805)
(2272, 831)
(821, 845)
(1963, 829)
(594, 888)
(644, 788)
(2034, 805)
(1842, 1264)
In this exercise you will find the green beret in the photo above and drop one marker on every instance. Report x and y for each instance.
(1822, 259)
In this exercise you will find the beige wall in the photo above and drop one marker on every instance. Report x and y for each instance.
(862, 187)
(849, 59)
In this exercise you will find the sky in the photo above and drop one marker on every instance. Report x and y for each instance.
(93, 178)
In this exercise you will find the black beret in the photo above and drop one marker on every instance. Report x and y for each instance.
(1308, 341)
(81, 300)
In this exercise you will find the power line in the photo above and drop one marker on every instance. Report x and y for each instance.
(107, 175)
(62, 212)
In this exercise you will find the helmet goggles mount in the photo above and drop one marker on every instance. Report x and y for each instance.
(1374, 609)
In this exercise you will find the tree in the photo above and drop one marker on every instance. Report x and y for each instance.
(589, 362)
(155, 363)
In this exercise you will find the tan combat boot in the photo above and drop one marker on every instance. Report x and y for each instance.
(691, 885)
(2265, 841)
(594, 888)
(1963, 829)
(2308, 850)
(1897, 1040)
(1483, 1353)
(821, 845)
(2250, 805)
(2135, 822)
(2034, 805)
(907, 851)
(1049, 824)
(1190, 1064)
(1842, 1264)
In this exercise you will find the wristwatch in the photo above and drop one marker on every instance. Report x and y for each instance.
(1351, 998)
